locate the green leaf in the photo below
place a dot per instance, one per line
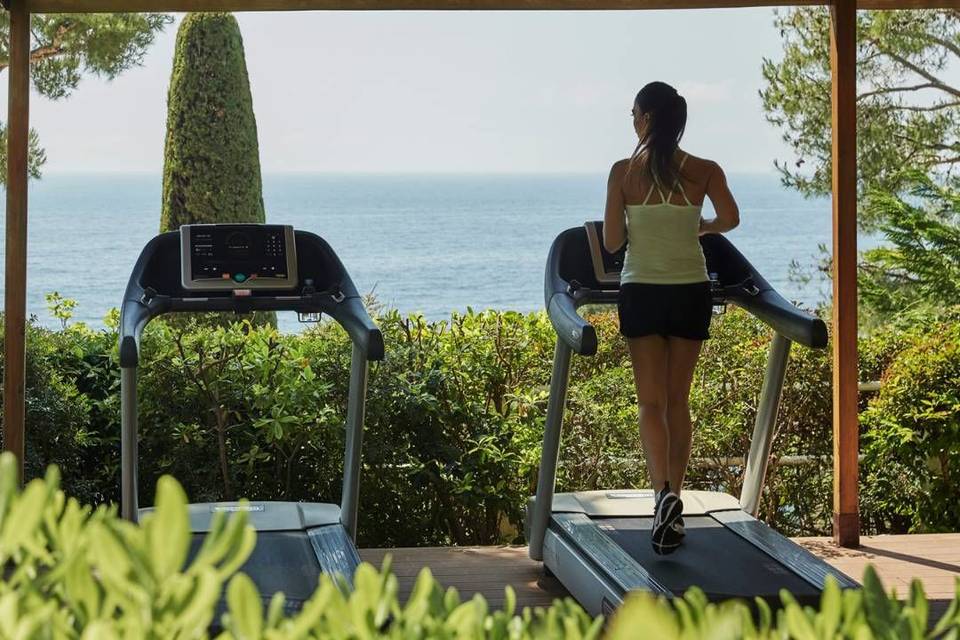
(641, 616)
(878, 609)
(245, 608)
(168, 529)
(831, 609)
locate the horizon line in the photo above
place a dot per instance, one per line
(321, 172)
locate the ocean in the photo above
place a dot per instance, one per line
(421, 243)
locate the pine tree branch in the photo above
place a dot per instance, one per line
(923, 73)
(936, 146)
(946, 44)
(889, 90)
(52, 50)
(940, 106)
(952, 160)
(936, 107)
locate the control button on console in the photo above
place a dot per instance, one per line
(239, 277)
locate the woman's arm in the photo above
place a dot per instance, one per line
(728, 214)
(614, 218)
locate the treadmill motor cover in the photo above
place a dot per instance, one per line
(281, 561)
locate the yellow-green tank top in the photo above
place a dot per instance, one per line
(663, 245)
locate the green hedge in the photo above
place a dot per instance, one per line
(73, 572)
(455, 418)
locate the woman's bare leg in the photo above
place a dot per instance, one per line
(682, 357)
(649, 357)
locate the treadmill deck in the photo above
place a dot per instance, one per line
(598, 545)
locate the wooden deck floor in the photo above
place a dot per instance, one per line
(933, 558)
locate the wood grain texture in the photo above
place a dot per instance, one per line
(472, 570)
(15, 283)
(843, 60)
(101, 6)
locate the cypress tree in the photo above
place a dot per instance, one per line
(211, 167)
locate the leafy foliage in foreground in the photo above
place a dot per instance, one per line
(852, 614)
(77, 572)
(81, 573)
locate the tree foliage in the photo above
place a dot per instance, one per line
(64, 47)
(920, 265)
(36, 156)
(908, 101)
(212, 160)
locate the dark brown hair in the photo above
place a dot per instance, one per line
(668, 119)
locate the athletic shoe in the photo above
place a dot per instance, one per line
(669, 509)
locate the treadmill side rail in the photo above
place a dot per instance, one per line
(335, 551)
(765, 427)
(788, 553)
(356, 412)
(550, 453)
(597, 548)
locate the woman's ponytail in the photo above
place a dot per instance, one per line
(667, 110)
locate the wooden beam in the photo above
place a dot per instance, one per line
(843, 62)
(110, 6)
(64, 6)
(15, 283)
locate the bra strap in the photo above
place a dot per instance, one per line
(679, 183)
(649, 193)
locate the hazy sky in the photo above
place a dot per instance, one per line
(430, 91)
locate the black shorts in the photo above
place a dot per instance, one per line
(678, 310)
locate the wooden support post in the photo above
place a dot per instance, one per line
(15, 303)
(843, 60)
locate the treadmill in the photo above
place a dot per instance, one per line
(597, 543)
(246, 268)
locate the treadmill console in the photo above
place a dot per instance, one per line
(606, 266)
(218, 257)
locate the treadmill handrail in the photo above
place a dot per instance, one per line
(571, 327)
(141, 304)
(352, 315)
(563, 297)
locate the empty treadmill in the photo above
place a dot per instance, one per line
(597, 543)
(245, 268)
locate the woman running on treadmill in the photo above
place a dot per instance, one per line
(654, 202)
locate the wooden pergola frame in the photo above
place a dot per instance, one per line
(846, 527)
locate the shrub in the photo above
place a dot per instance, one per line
(455, 419)
(74, 572)
(71, 394)
(211, 169)
(911, 444)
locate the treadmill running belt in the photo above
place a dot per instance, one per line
(712, 557)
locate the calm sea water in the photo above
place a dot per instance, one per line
(427, 243)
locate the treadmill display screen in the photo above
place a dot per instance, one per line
(238, 256)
